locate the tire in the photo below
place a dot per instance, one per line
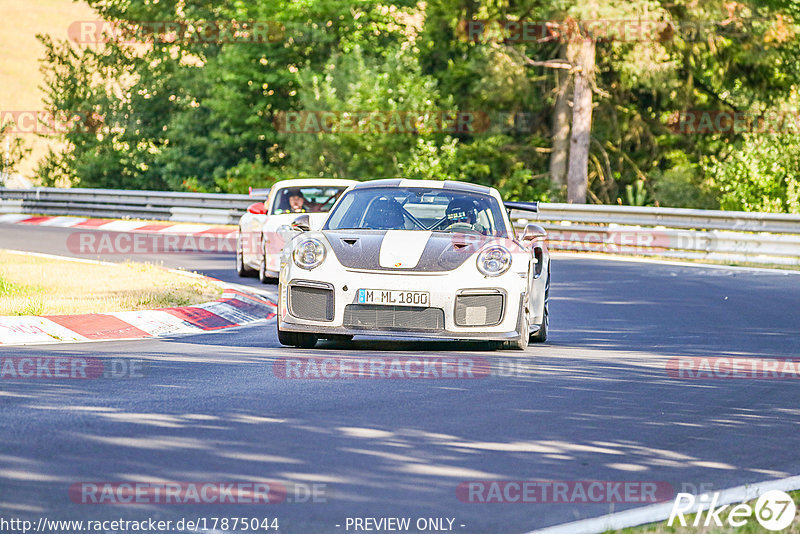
(296, 339)
(305, 341)
(541, 335)
(521, 343)
(262, 271)
(241, 269)
(263, 276)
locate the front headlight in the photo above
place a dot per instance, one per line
(494, 261)
(309, 253)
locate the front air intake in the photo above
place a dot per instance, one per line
(314, 303)
(479, 309)
(408, 318)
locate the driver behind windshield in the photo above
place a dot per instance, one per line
(296, 201)
(462, 214)
(394, 208)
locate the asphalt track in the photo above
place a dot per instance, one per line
(594, 403)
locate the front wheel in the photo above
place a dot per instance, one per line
(541, 335)
(296, 339)
(521, 343)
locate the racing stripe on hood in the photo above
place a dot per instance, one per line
(363, 249)
(401, 249)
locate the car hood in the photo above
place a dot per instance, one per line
(404, 250)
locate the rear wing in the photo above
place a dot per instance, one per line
(260, 193)
(532, 207)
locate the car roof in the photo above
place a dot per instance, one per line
(450, 185)
(313, 182)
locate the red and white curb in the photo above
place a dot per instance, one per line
(235, 308)
(112, 225)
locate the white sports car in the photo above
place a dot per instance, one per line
(415, 258)
(261, 239)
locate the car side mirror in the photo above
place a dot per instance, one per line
(533, 232)
(286, 233)
(257, 208)
(302, 223)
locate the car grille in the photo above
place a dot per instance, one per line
(479, 310)
(393, 317)
(312, 303)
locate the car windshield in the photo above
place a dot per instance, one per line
(306, 199)
(418, 208)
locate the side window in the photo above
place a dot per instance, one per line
(280, 204)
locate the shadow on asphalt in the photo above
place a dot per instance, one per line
(386, 446)
(596, 403)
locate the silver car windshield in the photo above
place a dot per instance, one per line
(417, 208)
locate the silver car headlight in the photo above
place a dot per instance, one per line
(494, 261)
(309, 253)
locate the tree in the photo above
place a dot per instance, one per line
(383, 143)
(561, 121)
(762, 176)
(577, 175)
(12, 151)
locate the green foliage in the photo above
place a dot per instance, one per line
(246, 174)
(762, 175)
(186, 115)
(636, 194)
(201, 116)
(12, 150)
(390, 86)
(683, 185)
(493, 160)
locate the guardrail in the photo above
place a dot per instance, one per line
(725, 236)
(112, 203)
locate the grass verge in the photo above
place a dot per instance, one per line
(33, 285)
(751, 527)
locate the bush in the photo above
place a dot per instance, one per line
(683, 185)
(763, 175)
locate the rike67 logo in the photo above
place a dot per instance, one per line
(774, 511)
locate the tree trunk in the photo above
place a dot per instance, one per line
(560, 148)
(577, 177)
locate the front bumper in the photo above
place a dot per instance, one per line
(443, 289)
(322, 331)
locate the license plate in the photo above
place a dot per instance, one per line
(392, 297)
